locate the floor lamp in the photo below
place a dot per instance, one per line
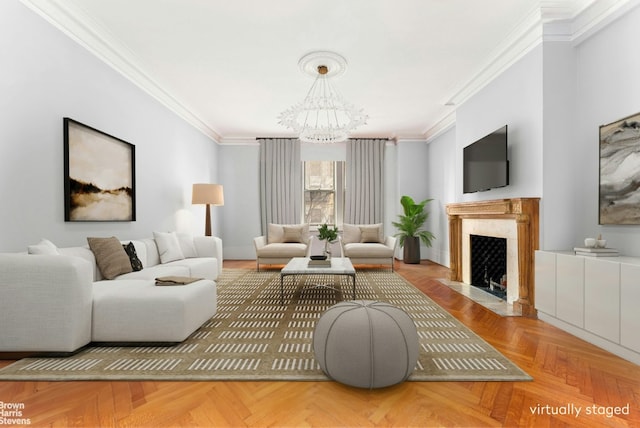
(207, 194)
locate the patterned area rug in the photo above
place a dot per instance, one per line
(254, 337)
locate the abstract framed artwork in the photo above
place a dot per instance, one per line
(620, 171)
(99, 175)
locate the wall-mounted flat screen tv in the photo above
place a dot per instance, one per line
(485, 163)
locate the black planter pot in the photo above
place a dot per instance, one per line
(411, 253)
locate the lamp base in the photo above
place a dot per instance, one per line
(207, 221)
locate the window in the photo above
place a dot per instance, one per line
(323, 192)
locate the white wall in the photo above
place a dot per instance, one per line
(608, 89)
(513, 99)
(441, 186)
(240, 172)
(44, 77)
(559, 205)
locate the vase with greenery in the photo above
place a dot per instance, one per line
(329, 235)
(410, 227)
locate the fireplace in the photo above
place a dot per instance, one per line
(489, 264)
(516, 221)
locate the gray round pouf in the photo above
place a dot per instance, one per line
(366, 344)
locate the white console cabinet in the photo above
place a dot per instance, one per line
(594, 298)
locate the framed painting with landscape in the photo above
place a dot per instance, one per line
(99, 175)
(620, 171)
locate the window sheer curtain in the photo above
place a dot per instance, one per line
(364, 195)
(280, 181)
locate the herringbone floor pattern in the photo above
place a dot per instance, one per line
(575, 384)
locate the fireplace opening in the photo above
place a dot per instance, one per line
(489, 264)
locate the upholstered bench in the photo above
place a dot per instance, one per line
(137, 310)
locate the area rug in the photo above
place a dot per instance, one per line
(253, 336)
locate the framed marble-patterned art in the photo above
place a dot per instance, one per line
(620, 171)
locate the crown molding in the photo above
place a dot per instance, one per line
(518, 43)
(89, 34)
(443, 125)
(598, 15)
(552, 20)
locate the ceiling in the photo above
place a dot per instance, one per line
(230, 67)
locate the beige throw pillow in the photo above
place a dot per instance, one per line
(111, 258)
(371, 233)
(276, 233)
(292, 234)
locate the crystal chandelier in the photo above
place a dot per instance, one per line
(324, 116)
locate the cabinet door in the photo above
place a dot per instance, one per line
(545, 277)
(630, 306)
(602, 298)
(570, 289)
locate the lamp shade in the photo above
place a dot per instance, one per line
(209, 194)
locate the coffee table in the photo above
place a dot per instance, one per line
(300, 266)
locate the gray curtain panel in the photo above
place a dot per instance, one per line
(280, 181)
(364, 195)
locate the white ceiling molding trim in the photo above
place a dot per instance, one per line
(598, 15)
(241, 141)
(554, 20)
(518, 43)
(118, 56)
(442, 126)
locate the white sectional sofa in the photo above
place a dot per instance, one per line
(58, 301)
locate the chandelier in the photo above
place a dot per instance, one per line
(324, 116)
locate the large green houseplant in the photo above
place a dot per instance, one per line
(410, 229)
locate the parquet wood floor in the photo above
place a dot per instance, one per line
(569, 374)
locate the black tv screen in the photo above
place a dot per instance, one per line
(485, 163)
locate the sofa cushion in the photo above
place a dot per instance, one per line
(276, 232)
(361, 250)
(139, 311)
(201, 267)
(111, 258)
(155, 271)
(282, 250)
(168, 246)
(187, 245)
(43, 247)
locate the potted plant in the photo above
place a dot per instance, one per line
(410, 232)
(329, 235)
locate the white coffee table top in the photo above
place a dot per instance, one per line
(300, 266)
